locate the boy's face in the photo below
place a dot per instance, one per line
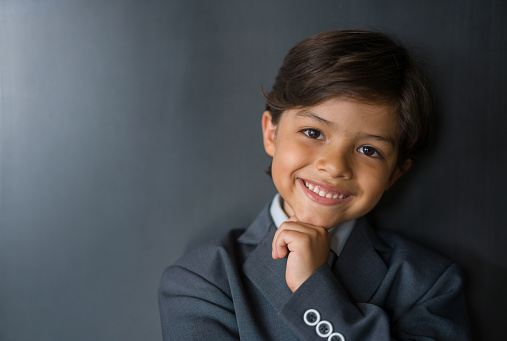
(333, 161)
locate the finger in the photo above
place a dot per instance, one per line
(279, 247)
(282, 241)
(291, 231)
(287, 240)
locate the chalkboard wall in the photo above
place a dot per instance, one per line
(130, 131)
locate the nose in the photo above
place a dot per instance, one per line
(337, 162)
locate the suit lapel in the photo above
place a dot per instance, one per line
(360, 267)
(267, 274)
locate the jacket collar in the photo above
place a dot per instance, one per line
(360, 267)
(257, 230)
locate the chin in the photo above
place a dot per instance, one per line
(319, 220)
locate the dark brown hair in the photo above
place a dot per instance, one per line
(363, 65)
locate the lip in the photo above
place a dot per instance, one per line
(339, 194)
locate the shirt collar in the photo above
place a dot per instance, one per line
(339, 233)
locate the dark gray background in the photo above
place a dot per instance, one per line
(130, 130)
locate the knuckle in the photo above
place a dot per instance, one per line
(307, 238)
(314, 234)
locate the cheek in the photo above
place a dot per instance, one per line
(374, 183)
(288, 158)
(291, 156)
(281, 167)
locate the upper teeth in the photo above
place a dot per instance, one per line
(322, 193)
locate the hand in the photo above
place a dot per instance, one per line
(309, 249)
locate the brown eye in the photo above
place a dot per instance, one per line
(370, 151)
(313, 134)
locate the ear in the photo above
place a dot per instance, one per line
(398, 172)
(268, 133)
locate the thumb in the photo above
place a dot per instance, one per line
(293, 218)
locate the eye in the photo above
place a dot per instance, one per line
(313, 134)
(370, 151)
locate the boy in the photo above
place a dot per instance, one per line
(346, 113)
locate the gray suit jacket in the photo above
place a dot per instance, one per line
(382, 287)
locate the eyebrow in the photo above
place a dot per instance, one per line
(308, 114)
(379, 138)
(305, 113)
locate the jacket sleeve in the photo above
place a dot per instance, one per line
(321, 306)
(178, 304)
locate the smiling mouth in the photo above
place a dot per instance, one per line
(323, 192)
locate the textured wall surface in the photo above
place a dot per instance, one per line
(130, 131)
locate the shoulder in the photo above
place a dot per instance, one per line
(209, 267)
(409, 252)
(417, 271)
(208, 256)
(398, 251)
(422, 286)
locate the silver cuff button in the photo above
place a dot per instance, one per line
(324, 328)
(312, 317)
(336, 337)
